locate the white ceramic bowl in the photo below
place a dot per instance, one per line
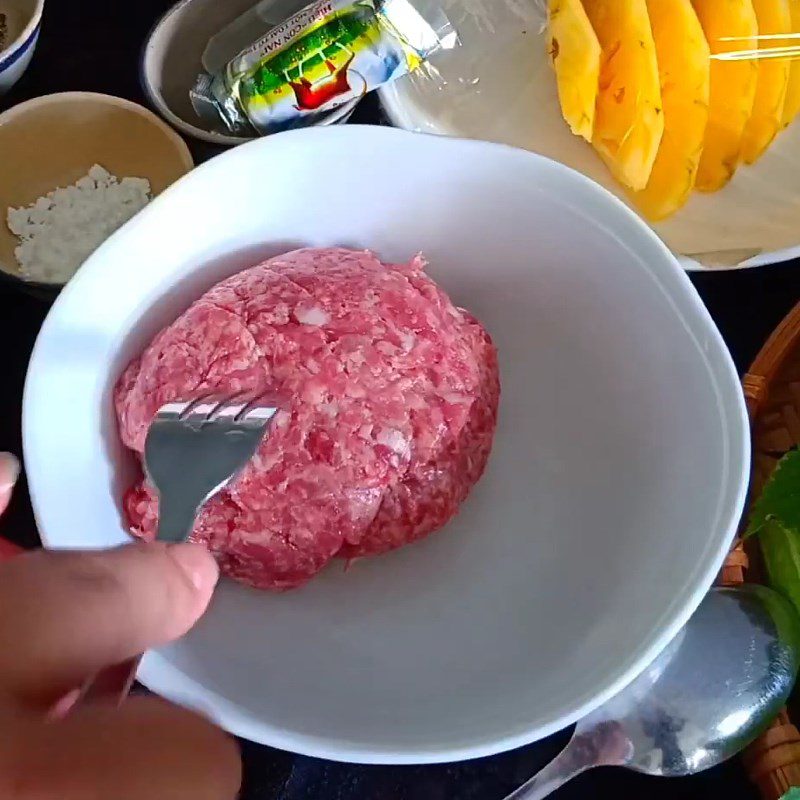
(24, 18)
(615, 486)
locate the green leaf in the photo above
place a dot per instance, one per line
(780, 499)
(781, 550)
(792, 794)
(782, 612)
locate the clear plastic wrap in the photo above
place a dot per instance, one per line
(682, 108)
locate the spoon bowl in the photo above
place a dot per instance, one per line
(714, 690)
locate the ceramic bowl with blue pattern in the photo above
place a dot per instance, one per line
(20, 21)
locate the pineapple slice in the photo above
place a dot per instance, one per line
(773, 18)
(729, 25)
(791, 105)
(684, 70)
(575, 51)
(628, 120)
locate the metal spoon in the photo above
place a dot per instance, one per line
(714, 690)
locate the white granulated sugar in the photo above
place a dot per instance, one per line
(62, 229)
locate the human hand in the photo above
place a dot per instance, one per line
(9, 472)
(64, 617)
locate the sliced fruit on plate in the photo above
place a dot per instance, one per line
(774, 18)
(575, 53)
(791, 105)
(629, 121)
(729, 26)
(684, 72)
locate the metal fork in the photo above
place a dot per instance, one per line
(193, 449)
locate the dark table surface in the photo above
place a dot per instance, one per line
(93, 45)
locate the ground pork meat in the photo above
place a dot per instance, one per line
(388, 397)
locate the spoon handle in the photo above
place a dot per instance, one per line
(562, 769)
(601, 745)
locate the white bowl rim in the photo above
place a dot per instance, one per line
(157, 99)
(27, 33)
(161, 676)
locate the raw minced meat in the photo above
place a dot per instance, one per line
(388, 397)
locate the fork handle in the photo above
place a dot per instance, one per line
(176, 515)
(110, 684)
(175, 522)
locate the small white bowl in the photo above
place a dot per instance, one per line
(172, 59)
(613, 492)
(23, 18)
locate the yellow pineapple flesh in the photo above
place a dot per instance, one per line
(773, 18)
(575, 53)
(729, 26)
(629, 122)
(684, 71)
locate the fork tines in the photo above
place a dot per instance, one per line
(242, 409)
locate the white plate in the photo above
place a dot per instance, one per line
(499, 86)
(613, 492)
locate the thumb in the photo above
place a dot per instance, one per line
(9, 472)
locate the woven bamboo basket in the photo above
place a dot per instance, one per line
(772, 392)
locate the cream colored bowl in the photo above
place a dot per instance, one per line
(54, 140)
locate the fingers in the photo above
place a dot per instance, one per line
(146, 750)
(9, 472)
(67, 615)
